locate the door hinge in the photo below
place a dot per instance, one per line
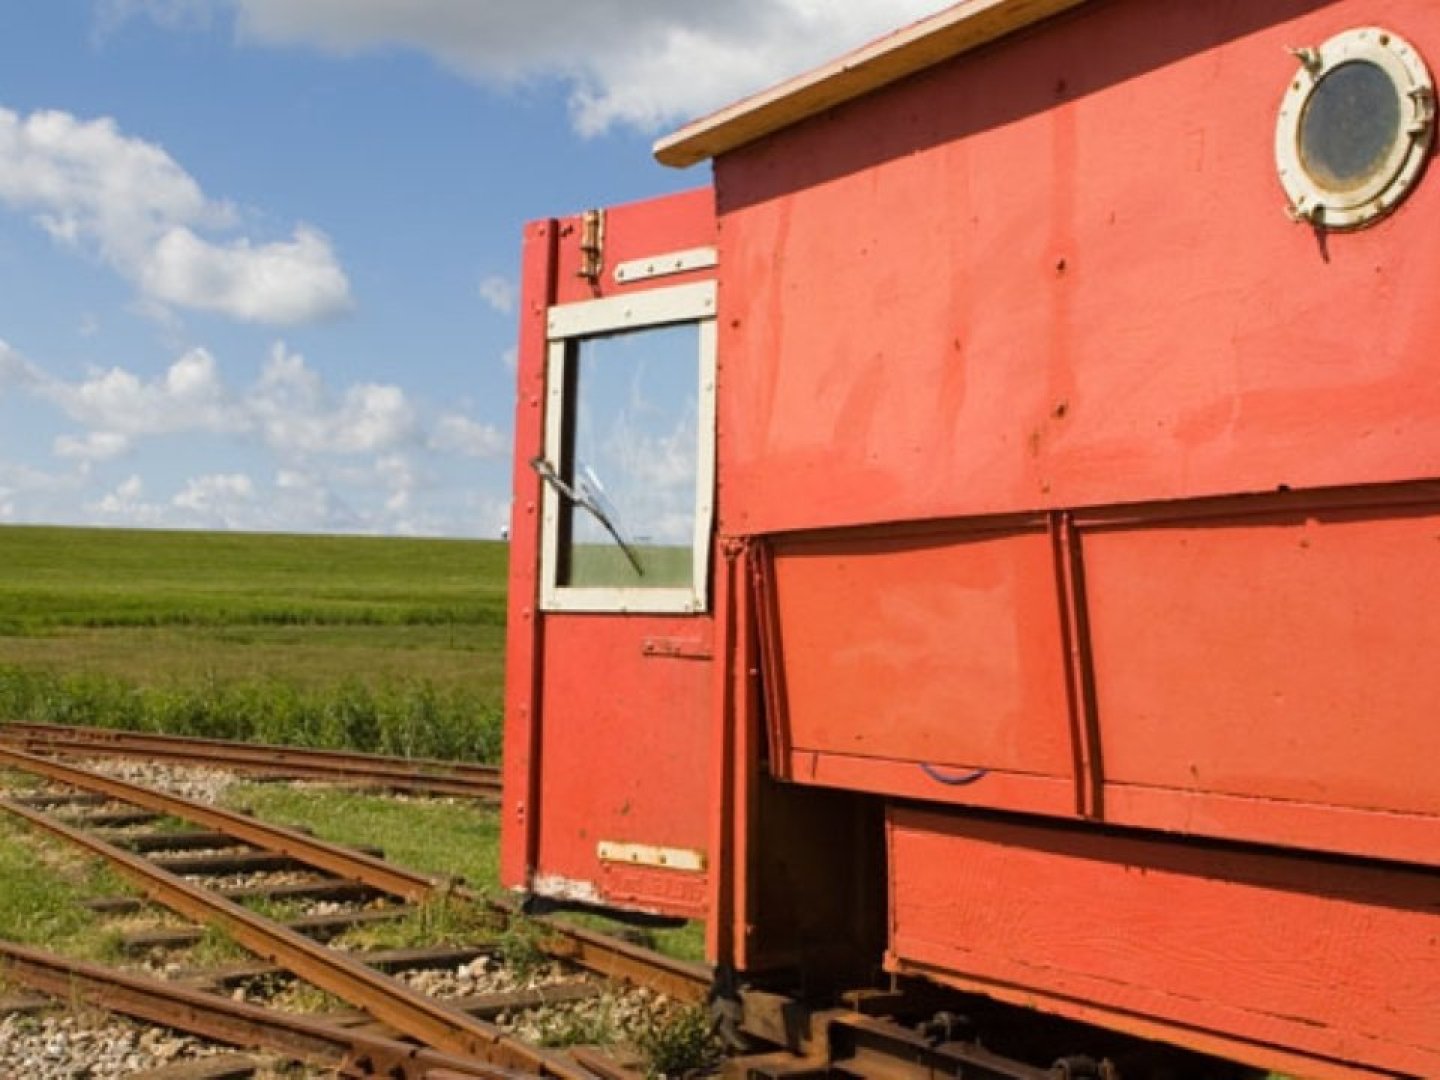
(592, 245)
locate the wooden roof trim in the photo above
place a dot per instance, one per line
(968, 25)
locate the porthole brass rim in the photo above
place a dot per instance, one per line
(1312, 201)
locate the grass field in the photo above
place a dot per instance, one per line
(384, 644)
(387, 644)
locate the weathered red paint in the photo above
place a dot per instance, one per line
(1055, 276)
(523, 632)
(1081, 514)
(1236, 952)
(608, 717)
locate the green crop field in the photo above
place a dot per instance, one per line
(387, 644)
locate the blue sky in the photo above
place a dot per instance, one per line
(258, 258)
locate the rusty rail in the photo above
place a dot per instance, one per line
(429, 775)
(413, 1014)
(616, 959)
(408, 1012)
(597, 952)
(333, 859)
(209, 1016)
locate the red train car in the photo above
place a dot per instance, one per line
(994, 531)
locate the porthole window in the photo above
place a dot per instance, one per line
(1354, 129)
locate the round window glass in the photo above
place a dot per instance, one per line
(1350, 126)
(1354, 129)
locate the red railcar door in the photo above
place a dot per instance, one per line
(610, 633)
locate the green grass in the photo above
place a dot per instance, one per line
(606, 565)
(413, 718)
(453, 838)
(42, 885)
(54, 578)
(445, 920)
(683, 942)
(679, 1043)
(384, 644)
(458, 840)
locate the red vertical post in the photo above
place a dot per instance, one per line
(719, 940)
(525, 627)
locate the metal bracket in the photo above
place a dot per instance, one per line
(592, 245)
(673, 262)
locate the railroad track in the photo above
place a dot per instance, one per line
(426, 775)
(391, 1028)
(132, 828)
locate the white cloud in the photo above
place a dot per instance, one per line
(286, 451)
(635, 62)
(125, 504)
(15, 370)
(398, 475)
(23, 487)
(92, 446)
(130, 489)
(217, 493)
(297, 413)
(190, 396)
(284, 282)
(290, 408)
(499, 292)
(130, 204)
(456, 434)
(510, 358)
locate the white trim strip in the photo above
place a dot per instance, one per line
(674, 262)
(667, 858)
(655, 307)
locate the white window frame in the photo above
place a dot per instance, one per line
(567, 325)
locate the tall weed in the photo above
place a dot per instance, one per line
(412, 718)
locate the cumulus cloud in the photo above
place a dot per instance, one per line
(286, 282)
(92, 446)
(190, 396)
(125, 503)
(637, 62)
(129, 203)
(298, 413)
(217, 492)
(23, 488)
(311, 456)
(456, 434)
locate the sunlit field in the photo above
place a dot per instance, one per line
(386, 644)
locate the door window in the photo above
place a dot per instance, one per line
(629, 461)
